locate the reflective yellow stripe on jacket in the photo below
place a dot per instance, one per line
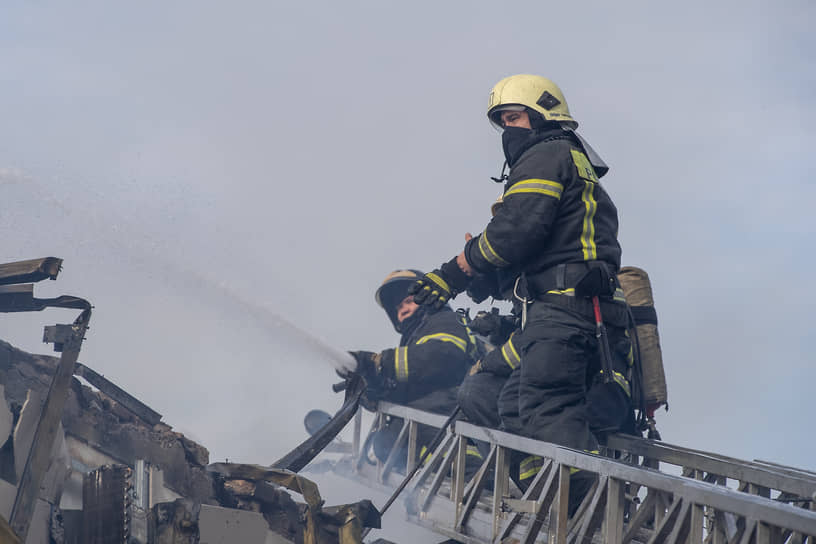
(510, 354)
(588, 231)
(536, 186)
(587, 174)
(445, 337)
(489, 253)
(401, 363)
(401, 354)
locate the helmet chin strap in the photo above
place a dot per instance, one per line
(503, 176)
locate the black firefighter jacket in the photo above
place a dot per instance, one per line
(554, 212)
(434, 356)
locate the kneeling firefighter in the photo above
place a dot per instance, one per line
(556, 234)
(435, 351)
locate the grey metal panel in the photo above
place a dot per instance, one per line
(274, 538)
(218, 525)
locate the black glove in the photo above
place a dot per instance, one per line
(496, 327)
(482, 287)
(437, 287)
(368, 363)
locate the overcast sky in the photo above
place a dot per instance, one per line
(204, 166)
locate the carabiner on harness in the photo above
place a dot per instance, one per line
(524, 301)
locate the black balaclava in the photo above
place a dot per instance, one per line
(409, 325)
(517, 140)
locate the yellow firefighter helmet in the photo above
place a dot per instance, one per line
(394, 289)
(537, 93)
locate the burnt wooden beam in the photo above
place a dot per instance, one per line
(33, 270)
(17, 298)
(20, 298)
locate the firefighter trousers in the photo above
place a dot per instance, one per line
(560, 359)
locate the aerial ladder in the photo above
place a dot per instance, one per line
(646, 491)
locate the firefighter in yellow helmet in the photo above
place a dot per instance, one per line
(553, 244)
(435, 351)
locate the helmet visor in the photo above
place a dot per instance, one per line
(494, 115)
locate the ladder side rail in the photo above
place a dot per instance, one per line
(735, 469)
(786, 468)
(405, 412)
(667, 449)
(626, 442)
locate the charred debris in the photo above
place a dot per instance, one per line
(94, 465)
